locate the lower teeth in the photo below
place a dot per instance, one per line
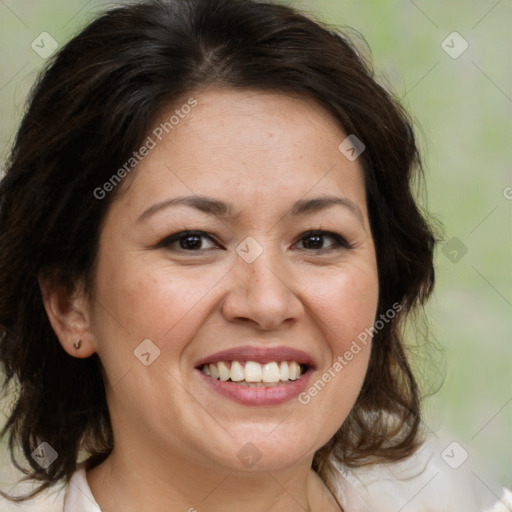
(259, 384)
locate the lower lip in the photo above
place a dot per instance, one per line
(273, 395)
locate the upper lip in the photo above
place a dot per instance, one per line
(259, 355)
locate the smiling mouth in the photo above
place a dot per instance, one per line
(253, 374)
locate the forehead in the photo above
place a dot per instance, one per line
(250, 147)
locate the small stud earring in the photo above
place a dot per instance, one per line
(77, 344)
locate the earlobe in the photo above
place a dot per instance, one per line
(68, 314)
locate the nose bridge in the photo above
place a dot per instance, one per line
(264, 273)
(261, 290)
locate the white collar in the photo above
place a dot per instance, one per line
(78, 496)
(366, 490)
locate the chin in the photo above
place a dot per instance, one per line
(267, 449)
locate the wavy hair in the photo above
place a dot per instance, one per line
(91, 108)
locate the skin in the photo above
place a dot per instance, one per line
(176, 440)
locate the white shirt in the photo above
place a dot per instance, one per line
(422, 483)
(78, 497)
(380, 493)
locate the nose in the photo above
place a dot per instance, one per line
(262, 293)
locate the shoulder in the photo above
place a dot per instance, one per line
(421, 483)
(76, 496)
(51, 500)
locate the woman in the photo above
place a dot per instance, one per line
(209, 246)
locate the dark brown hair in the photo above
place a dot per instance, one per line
(92, 107)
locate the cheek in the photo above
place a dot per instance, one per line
(345, 309)
(345, 305)
(139, 298)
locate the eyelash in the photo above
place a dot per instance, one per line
(339, 241)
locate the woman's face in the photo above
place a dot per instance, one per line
(251, 174)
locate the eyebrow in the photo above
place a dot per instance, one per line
(218, 208)
(316, 204)
(202, 203)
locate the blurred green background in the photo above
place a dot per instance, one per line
(462, 107)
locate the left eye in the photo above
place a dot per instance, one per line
(314, 241)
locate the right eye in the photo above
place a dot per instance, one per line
(188, 241)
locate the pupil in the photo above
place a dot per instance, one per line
(190, 242)
(314, 242)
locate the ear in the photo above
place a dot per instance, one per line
(68, 312)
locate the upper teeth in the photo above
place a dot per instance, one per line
(253, 372)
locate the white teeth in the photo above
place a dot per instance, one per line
(284, 371)
(271, 372)
(294, 371)
(223, 370)
(237, 372)
(252, 372)
(214, 371)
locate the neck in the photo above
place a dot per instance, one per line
(126, 481)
